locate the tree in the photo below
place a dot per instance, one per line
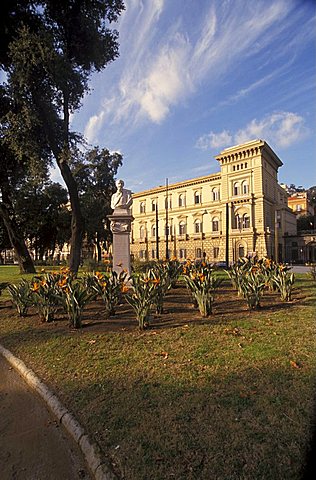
(52, 48)
(95, 173)
(42, 211)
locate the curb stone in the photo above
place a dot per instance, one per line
(89, 449)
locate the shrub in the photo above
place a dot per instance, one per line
(21, 296)
(202, 283)
(142, 296)
(109, 288)
(74, 296)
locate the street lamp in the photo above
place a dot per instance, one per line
(202, 233)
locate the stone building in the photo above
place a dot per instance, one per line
(241, 210)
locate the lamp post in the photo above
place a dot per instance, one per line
(202, 233)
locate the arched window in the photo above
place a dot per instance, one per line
(237, 222)
(197, 197)
(142, 232)
(215, 194)
(153, 230)
(182, 228)
(236, 188)
(215, 224)
(181, 200)
(168, 203)
(245, 187)
(197, 226)
(142, 207)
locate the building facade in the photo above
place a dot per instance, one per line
(241, 210)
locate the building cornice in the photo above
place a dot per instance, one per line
(247, 151)
(174, 186)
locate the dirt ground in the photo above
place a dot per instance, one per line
(178, 311)
(32, 444)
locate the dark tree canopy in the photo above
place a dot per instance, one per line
(49, 50)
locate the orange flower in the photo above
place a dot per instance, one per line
(156, 281)
(202, 277)
(43, 283)
(36, 287)
(62, 282)
(99, 275)
(124, 288)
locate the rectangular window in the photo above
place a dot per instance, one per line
(215, 252)
(182, 253)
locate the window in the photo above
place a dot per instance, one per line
(197, 226)
(236, 188)
(215, 224)
(246, 221)
(197, 198)
(153, 231)
(142, 254)
(181, 200)
(215, 252)
(167, 230)
(153, 206)
(237, 222)
(169, 204)
(182, 228)
(198, 253)
(215, 194)
(142, 232)
(142, 207)
(245, 187)
(241, 251)
(153, 254)
(182, 253)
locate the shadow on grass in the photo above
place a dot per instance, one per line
(248, 425)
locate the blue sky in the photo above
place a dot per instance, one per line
(197, 76)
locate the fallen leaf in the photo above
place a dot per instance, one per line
(295, 364)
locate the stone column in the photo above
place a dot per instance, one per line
(121, 221)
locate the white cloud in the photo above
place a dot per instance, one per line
(214, 140)
(93, 127)
(281, 129)
(158, 71)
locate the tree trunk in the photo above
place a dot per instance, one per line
(24, 258)
(76, 218)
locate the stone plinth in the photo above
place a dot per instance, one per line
(121, 221)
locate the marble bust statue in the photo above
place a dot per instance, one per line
(122, 198)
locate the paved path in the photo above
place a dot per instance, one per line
(32, 444)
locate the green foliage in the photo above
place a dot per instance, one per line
(21, 296)
(159, 274)
(108, 288)
(46, 290)
(3, 286)
(284, 281)
(202, 283)
(252, 284)
(74, 297)
(142, 297)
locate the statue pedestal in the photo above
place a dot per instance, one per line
(121, 221)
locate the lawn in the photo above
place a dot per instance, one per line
(228, 397)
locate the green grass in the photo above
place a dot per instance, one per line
(228, 398)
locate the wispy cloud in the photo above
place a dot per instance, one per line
(158, 72)
(281, 129)
(93, 127)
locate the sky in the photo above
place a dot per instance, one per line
(197, 76)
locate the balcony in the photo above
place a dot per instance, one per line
(182, 237)
(198, 236)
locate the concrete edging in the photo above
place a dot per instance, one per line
(89, 449)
